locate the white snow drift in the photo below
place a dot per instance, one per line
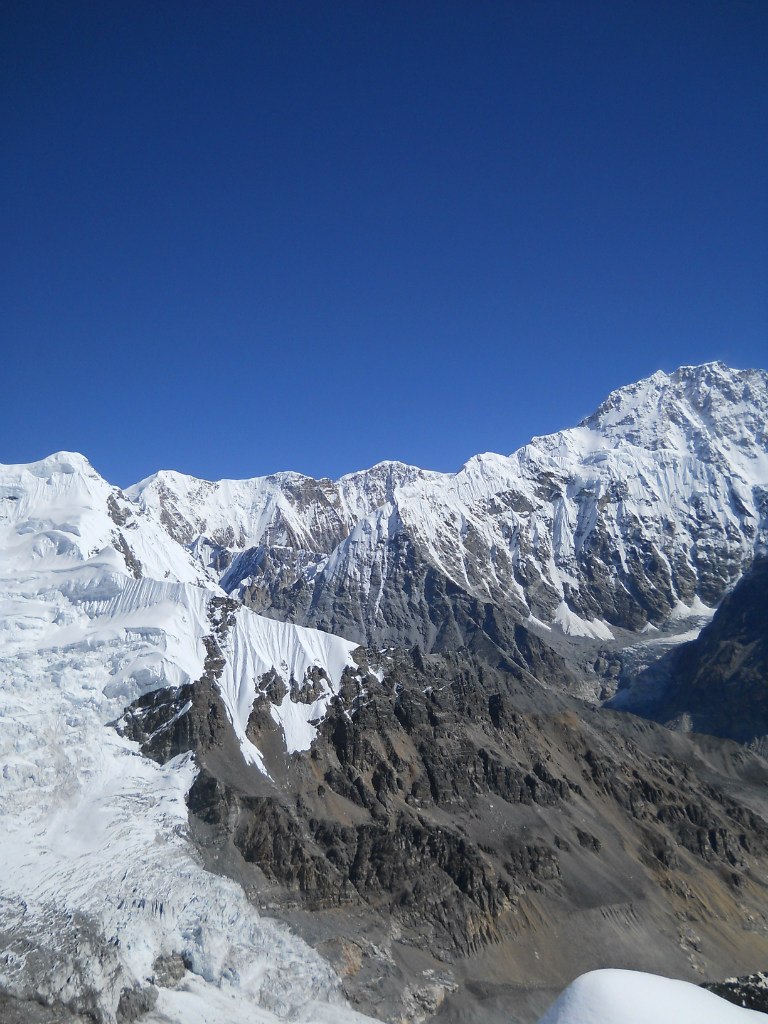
(631, 997)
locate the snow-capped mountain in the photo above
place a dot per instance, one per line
(100, 885)
(60, 513)
(164, 748)
(654, 503)
(284, 510)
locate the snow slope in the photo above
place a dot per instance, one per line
(258, 645)
(631, 997)
(99, 877)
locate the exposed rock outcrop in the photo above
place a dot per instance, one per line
(453, 816)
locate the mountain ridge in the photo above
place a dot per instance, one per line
(653, 504)
(608, 525)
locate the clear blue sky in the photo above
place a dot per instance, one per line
(243, 237)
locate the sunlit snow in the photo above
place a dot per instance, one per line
(631, 997)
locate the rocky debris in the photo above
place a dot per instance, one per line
(426, 995)
(27, 1011)
(65, 946)
(135, 1002)
(169, 970)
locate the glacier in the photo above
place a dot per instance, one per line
(100, 880)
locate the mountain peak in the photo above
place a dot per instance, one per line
(63, 462)
(712, 405)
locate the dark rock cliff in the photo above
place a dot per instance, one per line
(453, 819)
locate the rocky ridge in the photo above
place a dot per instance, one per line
(435, 811)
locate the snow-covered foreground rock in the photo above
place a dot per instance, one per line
(631, 997)
(100, 884)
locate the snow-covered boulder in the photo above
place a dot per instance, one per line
(631, 997)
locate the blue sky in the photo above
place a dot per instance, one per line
(245, 237)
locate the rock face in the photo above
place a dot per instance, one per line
(718, 683)
(657, 499)
(453, 822)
